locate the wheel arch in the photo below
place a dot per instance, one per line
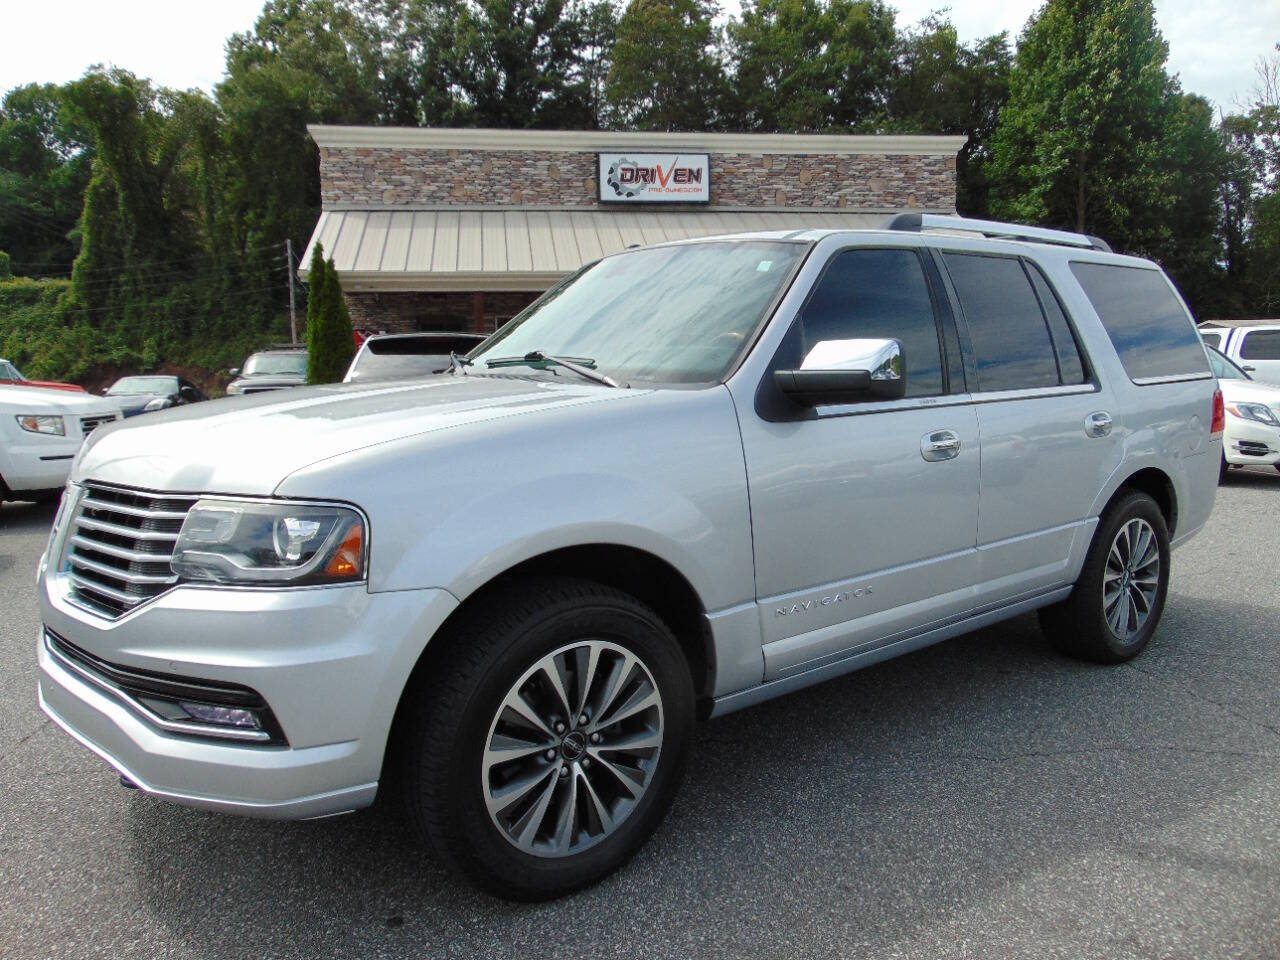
(644, 575)
(1156, 484)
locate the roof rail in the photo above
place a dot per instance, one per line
(918, 222)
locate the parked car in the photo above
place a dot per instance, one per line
(1254, 347)
(691, 478)
(1252, 434)
(276, 369)
(398, 356)
(41, 431)
(11, 377)
(149, 393)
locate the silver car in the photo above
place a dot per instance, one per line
(690, 478)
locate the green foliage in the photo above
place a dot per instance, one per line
(330, 341)
(44, 166)
(6, 266)
(667, 72)
(944, 86)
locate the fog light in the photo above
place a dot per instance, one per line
(223, 716)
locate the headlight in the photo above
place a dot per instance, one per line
(1254, 411)
(35, 423)
(159, 403)
(232, 541)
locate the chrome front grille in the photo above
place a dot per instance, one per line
(92, 423)
(119, 546)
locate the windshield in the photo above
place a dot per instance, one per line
(679, 314)
(275, 363)
(132, 386)
(1224, 369)
(8, 371)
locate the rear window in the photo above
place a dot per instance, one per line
(418, 346)
(1261, 345)
(1148, 326)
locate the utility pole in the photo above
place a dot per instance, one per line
(293, 322)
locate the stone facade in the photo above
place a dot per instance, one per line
(400, 312)
(375, 177)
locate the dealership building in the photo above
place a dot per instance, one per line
(459, 229)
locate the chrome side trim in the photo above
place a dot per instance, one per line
(150, 716)
(890, 648)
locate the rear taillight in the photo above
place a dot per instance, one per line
(1219, 421)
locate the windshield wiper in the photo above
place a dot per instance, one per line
(457, 363)
(579, 365)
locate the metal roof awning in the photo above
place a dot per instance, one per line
(478, 250)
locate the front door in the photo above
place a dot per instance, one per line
(864, 516)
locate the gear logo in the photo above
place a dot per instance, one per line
(614, 178)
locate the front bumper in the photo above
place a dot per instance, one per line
(40, 463)
(330, 662)
(1249, 442)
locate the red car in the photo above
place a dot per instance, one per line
(9, 376)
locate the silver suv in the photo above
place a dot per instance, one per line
(688, 479)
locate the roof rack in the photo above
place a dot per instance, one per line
(918, 222)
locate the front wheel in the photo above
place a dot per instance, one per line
(1117, 602)
(549, 740)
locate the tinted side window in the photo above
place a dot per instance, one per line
(878, 293)
(1213, 338)
(1070, 364)
(1148, 326)
(1261, 345)
(1010, 339)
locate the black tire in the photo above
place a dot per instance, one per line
(444, 727)
(1222, 471)
(1078, 626)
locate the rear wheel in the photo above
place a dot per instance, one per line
(1117, 602)
(549, 740)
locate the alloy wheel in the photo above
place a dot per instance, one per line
(572, 748)
(1131, 579)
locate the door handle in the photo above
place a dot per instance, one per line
(940, 445)
(1098, 424)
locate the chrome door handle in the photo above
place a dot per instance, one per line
(1098, 424)
(940, 445)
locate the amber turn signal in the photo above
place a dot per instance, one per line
(348, 560)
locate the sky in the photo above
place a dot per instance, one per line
(1213, 46)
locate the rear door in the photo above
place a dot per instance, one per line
(1048, 427)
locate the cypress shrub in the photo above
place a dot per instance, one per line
(330, 344)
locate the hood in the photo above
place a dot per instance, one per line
(249, 444)
(134, 402)
(1250, 391)
(30, 399)
(45, 384)
(268, 380)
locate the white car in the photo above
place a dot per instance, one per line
(1252, 434)
(41, 431)
(1254, 348)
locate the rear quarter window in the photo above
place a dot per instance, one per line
(1150, 329)
(1261, 345)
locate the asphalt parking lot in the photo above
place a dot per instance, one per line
(983, 798)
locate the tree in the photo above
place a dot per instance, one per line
(667, 71)
(944, 86)
(1079, 142)
(330, 341)
(45, 162)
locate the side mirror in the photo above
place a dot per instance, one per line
(234, 371)
(846, 371)
(105, 390)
